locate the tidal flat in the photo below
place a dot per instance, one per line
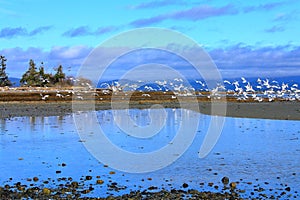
(46, 157)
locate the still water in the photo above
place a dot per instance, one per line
(263, 156)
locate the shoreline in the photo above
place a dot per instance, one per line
(35, 101)
(279, 110)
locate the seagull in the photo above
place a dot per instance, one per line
(258, 81)
(244, 80)
(60, 95)
(266, 83)
(271, 98)
(228, 82)
(284, 86)
(249, 88)
(235, 83)
(259, 99)
(44, 97)
(245, 95)
(79, 97)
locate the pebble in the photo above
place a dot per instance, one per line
(225, 180)
(232, 185)
(210, 184)
(65, 189)
(100, 182)
(74, 184)
(35, 179)
(46, 191)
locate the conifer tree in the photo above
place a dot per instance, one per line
(31, 76)
(4, 81)
(59, 76)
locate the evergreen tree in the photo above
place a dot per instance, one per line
(34, 77)
(45, 79)
(4, 81)
(59, 76)
(31, 77)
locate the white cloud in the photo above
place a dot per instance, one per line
(74, 52)
(236, 60)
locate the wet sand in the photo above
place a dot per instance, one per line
(265, 110)
(54, 102)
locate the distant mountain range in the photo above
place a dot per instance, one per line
(15, 81)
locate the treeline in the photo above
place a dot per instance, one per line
(37, 77)
(34, 77)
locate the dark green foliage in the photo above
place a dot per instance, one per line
(32, 77)
(59, 77)
(39, 78)
(4, 81)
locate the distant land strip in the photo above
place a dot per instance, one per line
(58, 101)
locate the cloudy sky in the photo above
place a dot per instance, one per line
(247, 38)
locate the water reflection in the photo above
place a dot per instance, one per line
(128, 147)
(249, 150)
(3, 125)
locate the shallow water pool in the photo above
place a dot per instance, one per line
(262, 156)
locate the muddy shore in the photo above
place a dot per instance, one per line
(54, 102)
(264, 110)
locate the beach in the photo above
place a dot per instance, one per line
(31, 104)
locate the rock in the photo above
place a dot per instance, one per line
(99, 181)
(46, 191)
(85, 191)
(225, 180)
(232, 185)
(210, 184)
(35, 179)
(185, 185)
(74, 184)
(152, 188)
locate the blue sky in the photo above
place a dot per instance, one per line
(248, 38)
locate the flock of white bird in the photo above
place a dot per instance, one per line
(262, 89)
